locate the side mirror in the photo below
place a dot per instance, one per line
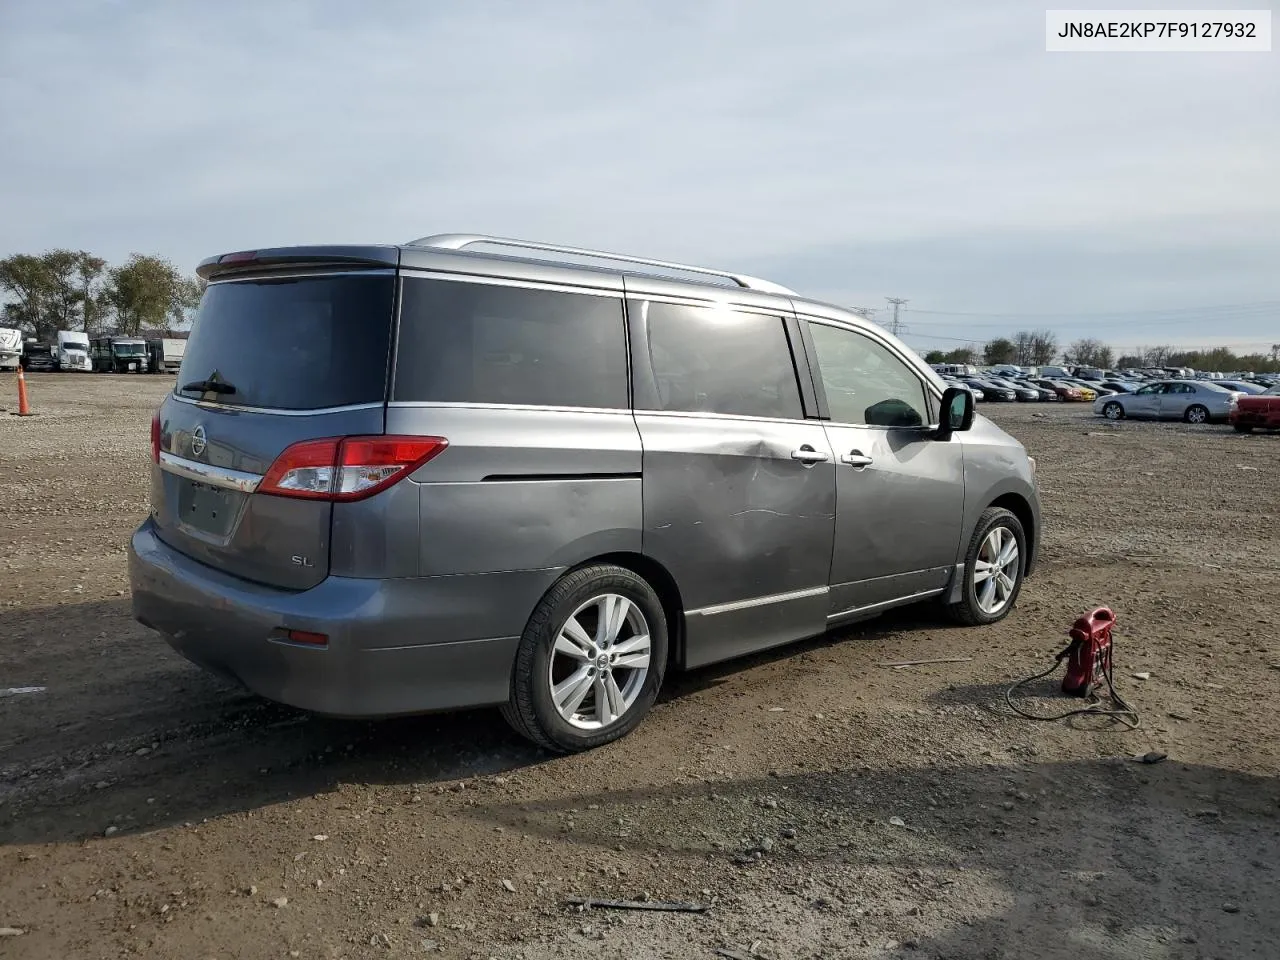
(957, 412)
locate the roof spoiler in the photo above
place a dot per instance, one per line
(312, 257)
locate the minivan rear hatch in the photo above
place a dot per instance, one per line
(277, 357)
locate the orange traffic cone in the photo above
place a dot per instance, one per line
(24, 408)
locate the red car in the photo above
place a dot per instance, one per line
(1261, 410)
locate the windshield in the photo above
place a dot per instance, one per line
(128, 349)
(76, 345)
(303, 343)
(1216, 388)
(1273, 392)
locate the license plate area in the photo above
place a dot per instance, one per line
(210, 510)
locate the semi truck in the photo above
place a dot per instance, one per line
(73, 351)
(118, 355)
(39, 357)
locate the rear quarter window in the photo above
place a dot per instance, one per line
(300, 343)
(464, 342)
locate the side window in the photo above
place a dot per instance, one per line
(865, 382)
(717, 360)
(479, 343)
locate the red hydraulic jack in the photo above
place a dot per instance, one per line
(1089, 656)
(1089, 669)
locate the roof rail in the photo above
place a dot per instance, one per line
(458, 241)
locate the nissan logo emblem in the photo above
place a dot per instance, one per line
(198, 440)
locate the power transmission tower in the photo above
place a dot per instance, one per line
(896, 327)
(866, 313)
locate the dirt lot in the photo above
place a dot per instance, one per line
(821, 804)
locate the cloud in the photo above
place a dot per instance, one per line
(928, 150)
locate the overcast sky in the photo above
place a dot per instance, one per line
(851, 150)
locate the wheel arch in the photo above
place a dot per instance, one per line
(1020, 507)
(664, 585)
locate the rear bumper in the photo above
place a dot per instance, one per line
(395, 646)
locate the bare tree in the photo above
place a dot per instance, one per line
(1044, 347)
(1024, 347)
(1089, 352)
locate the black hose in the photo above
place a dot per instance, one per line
(1122, 711)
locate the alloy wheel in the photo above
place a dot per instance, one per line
(599, 662)
(995, 570)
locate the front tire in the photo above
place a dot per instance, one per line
(1196, 414)
(1113, 411)
(993, 569)
(590, 662)
(1243, 427)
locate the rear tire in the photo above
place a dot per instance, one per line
(1242, 428)
(991, 592)
(570, 689)
(1196, 413)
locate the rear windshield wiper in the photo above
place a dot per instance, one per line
(209, 386)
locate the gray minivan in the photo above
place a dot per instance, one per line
(398, 479)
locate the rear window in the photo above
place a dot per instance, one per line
(481, 343)
(293, 344)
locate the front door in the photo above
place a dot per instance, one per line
(1145, 402)
(899, 493)
(739, 488)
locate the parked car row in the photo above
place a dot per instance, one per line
(990, 387)
(1195, 398)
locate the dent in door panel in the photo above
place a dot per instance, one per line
(728, 511)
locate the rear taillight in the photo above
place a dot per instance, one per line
(155, 437)
(303, 470)
(347, 468)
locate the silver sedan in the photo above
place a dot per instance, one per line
(1195, 401)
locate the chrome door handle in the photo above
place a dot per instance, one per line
(856, 458)
(806, 454)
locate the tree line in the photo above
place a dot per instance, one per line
(74, 290)
(1039, 347)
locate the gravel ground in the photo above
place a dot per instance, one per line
(820, 804)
